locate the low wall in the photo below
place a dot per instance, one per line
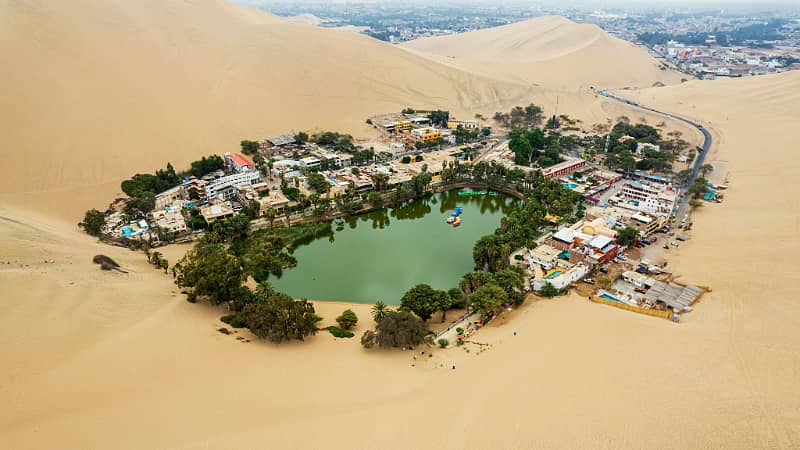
(648, 312)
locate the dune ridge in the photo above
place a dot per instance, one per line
(95, 359)
(552, 52)
(173, 80)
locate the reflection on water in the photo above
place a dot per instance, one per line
(381, 254)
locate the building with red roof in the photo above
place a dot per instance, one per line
(238, 162)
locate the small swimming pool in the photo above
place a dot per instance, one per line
(569, 185)
(608, 297)
(552, 274)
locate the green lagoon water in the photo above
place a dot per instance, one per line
(380, 255)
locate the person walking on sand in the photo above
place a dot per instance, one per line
(454, 366)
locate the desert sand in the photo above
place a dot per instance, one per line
(99, 90)
(102, 360)
(552, 52)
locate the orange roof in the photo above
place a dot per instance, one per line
(240, 160)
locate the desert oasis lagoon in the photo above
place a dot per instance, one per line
(377, 256)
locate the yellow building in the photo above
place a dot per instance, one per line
(426, 134)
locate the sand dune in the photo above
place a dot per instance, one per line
(552, 52)
(98, 90)
(105, 360)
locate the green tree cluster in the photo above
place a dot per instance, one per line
(521, 117)
(439, 118)
(93, 222)
(627, 236)
(278, 317)
(487, 298)
(396, 329)
(206, 165)
(250, 147)
(347, 319)
(532, 145)
(301, 137)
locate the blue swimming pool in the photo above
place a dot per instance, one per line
(569, 185)
(554, 274)
(608, 297)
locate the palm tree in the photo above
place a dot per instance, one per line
(379, 311)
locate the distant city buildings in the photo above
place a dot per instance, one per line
(702, 43)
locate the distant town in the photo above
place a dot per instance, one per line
(705, 43)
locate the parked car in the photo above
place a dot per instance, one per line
(588, 280)
(641, 269)
(672, 233)
(639, 290)
(653, 240)
(680, 238)
(604, 270)
(674, 244)
(622, 257)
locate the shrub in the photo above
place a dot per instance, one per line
(347, 320)
(548, 290)
(368, 339)
(340, 333)
(406, 160)
(459, 330)
(397, 329)
(233, 320)
(442, 343)
(224, 330)
(93, 222)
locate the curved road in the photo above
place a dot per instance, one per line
(707, 141)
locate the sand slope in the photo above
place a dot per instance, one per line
(104, 360)
(118, 361)
(97, 90)
(552, 52)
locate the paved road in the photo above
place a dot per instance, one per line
(684, 203)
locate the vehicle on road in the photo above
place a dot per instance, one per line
(674, 244)
(588, 281)
(639, 290)
(604, 270)
(680, 238)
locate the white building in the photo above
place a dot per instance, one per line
(564, 279)
(641, 147)
(170, 218)
(238, 163)
(545, 256)
(226, 186)
(650, 198)
(310, 162)
(469, 124)
(634, 278)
